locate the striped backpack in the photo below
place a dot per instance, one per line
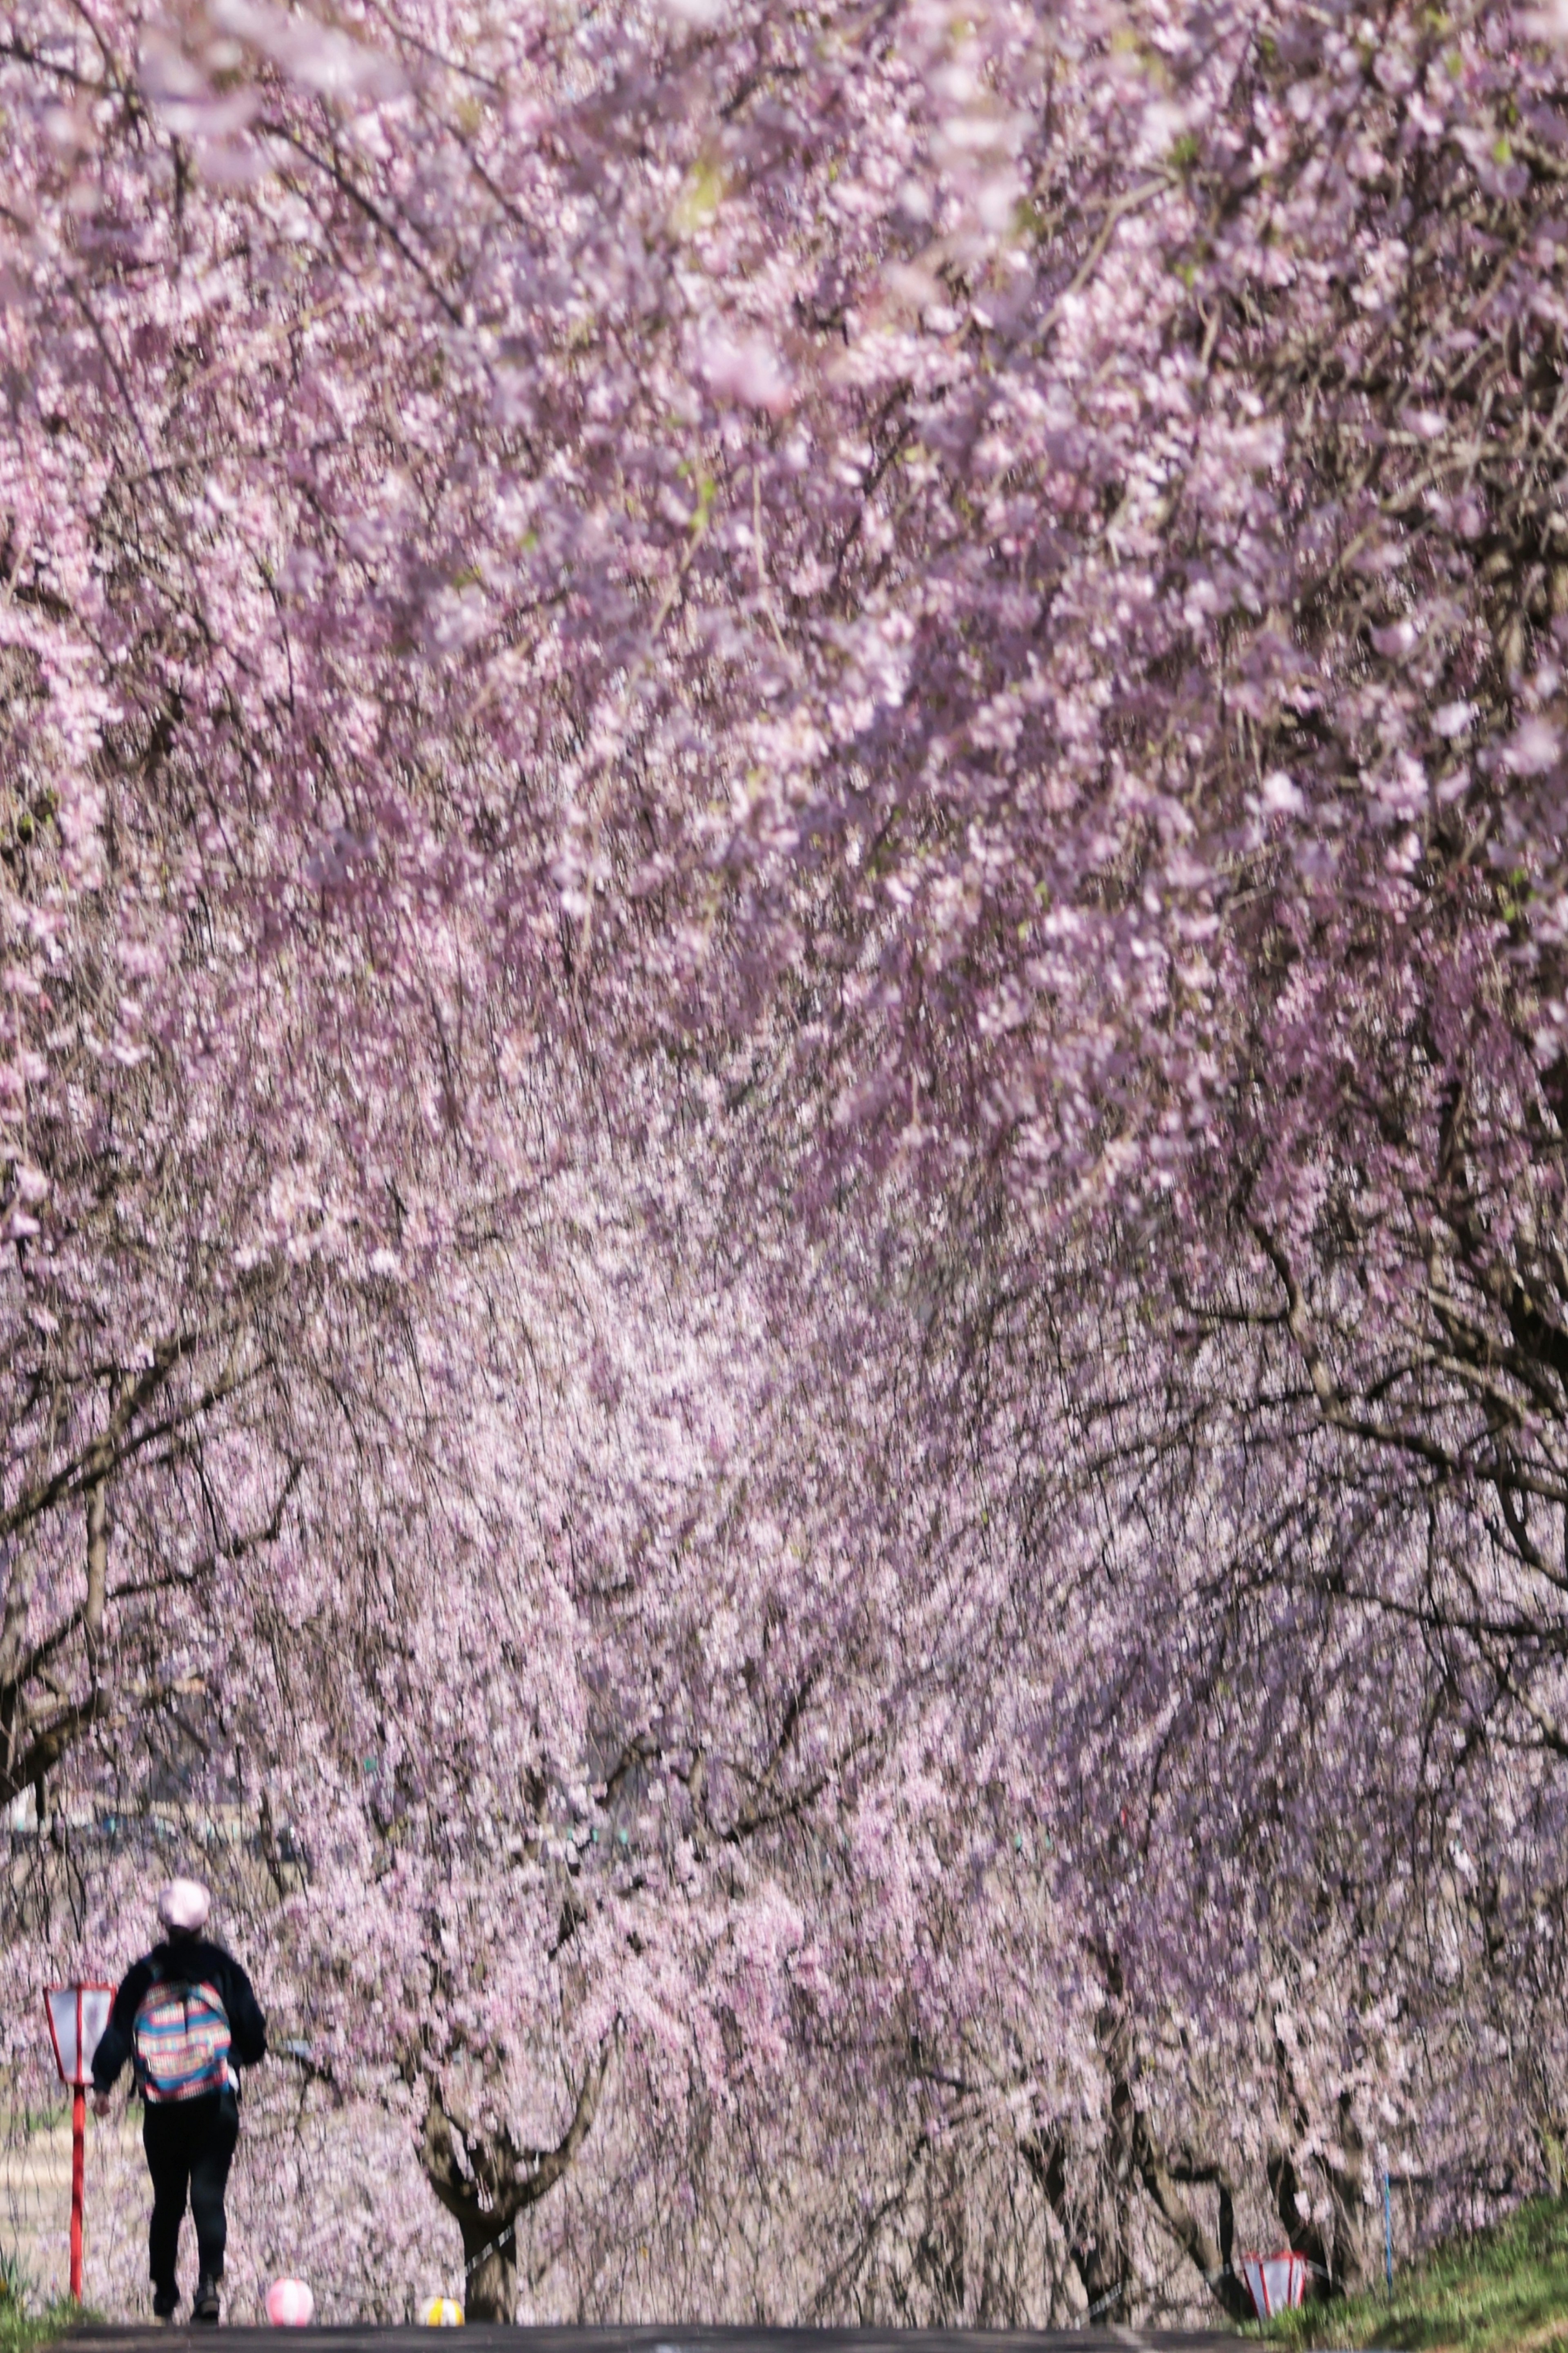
(181, 2041)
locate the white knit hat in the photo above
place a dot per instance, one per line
(185, 1903)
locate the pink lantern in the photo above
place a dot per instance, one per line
(78, 2015)
(290, 2304)
(1275, 2283)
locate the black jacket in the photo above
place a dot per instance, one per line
(191, 1960)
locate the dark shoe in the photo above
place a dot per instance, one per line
(165, 2303)
(205, 2306)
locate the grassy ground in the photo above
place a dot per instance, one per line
(1504, 2291)
(21, 2332)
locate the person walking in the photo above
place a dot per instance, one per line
(187, 2019)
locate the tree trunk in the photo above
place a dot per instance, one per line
(489, 2290)
(1045, 2154)
(1295, 2217)
(1352, 2271)
(1338, 2256)
(1132, 2154)
(97, 1571)
(488, 2181)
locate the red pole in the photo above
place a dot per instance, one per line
(78, 2137)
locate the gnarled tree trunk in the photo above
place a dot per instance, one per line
(1132, 2154)
(486, 2181)
(1338, 2257)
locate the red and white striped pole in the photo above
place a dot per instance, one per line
(78, 2015)
(79, 2173)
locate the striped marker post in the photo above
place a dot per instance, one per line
(78, 2015)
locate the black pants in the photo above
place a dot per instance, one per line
(189, 2145)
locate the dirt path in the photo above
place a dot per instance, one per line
(670, 2339)
(36, 2192)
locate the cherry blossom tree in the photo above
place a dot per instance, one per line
(783, 900)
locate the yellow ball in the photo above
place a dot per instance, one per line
(442, 2312)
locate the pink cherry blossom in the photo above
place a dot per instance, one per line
(782, 1090)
